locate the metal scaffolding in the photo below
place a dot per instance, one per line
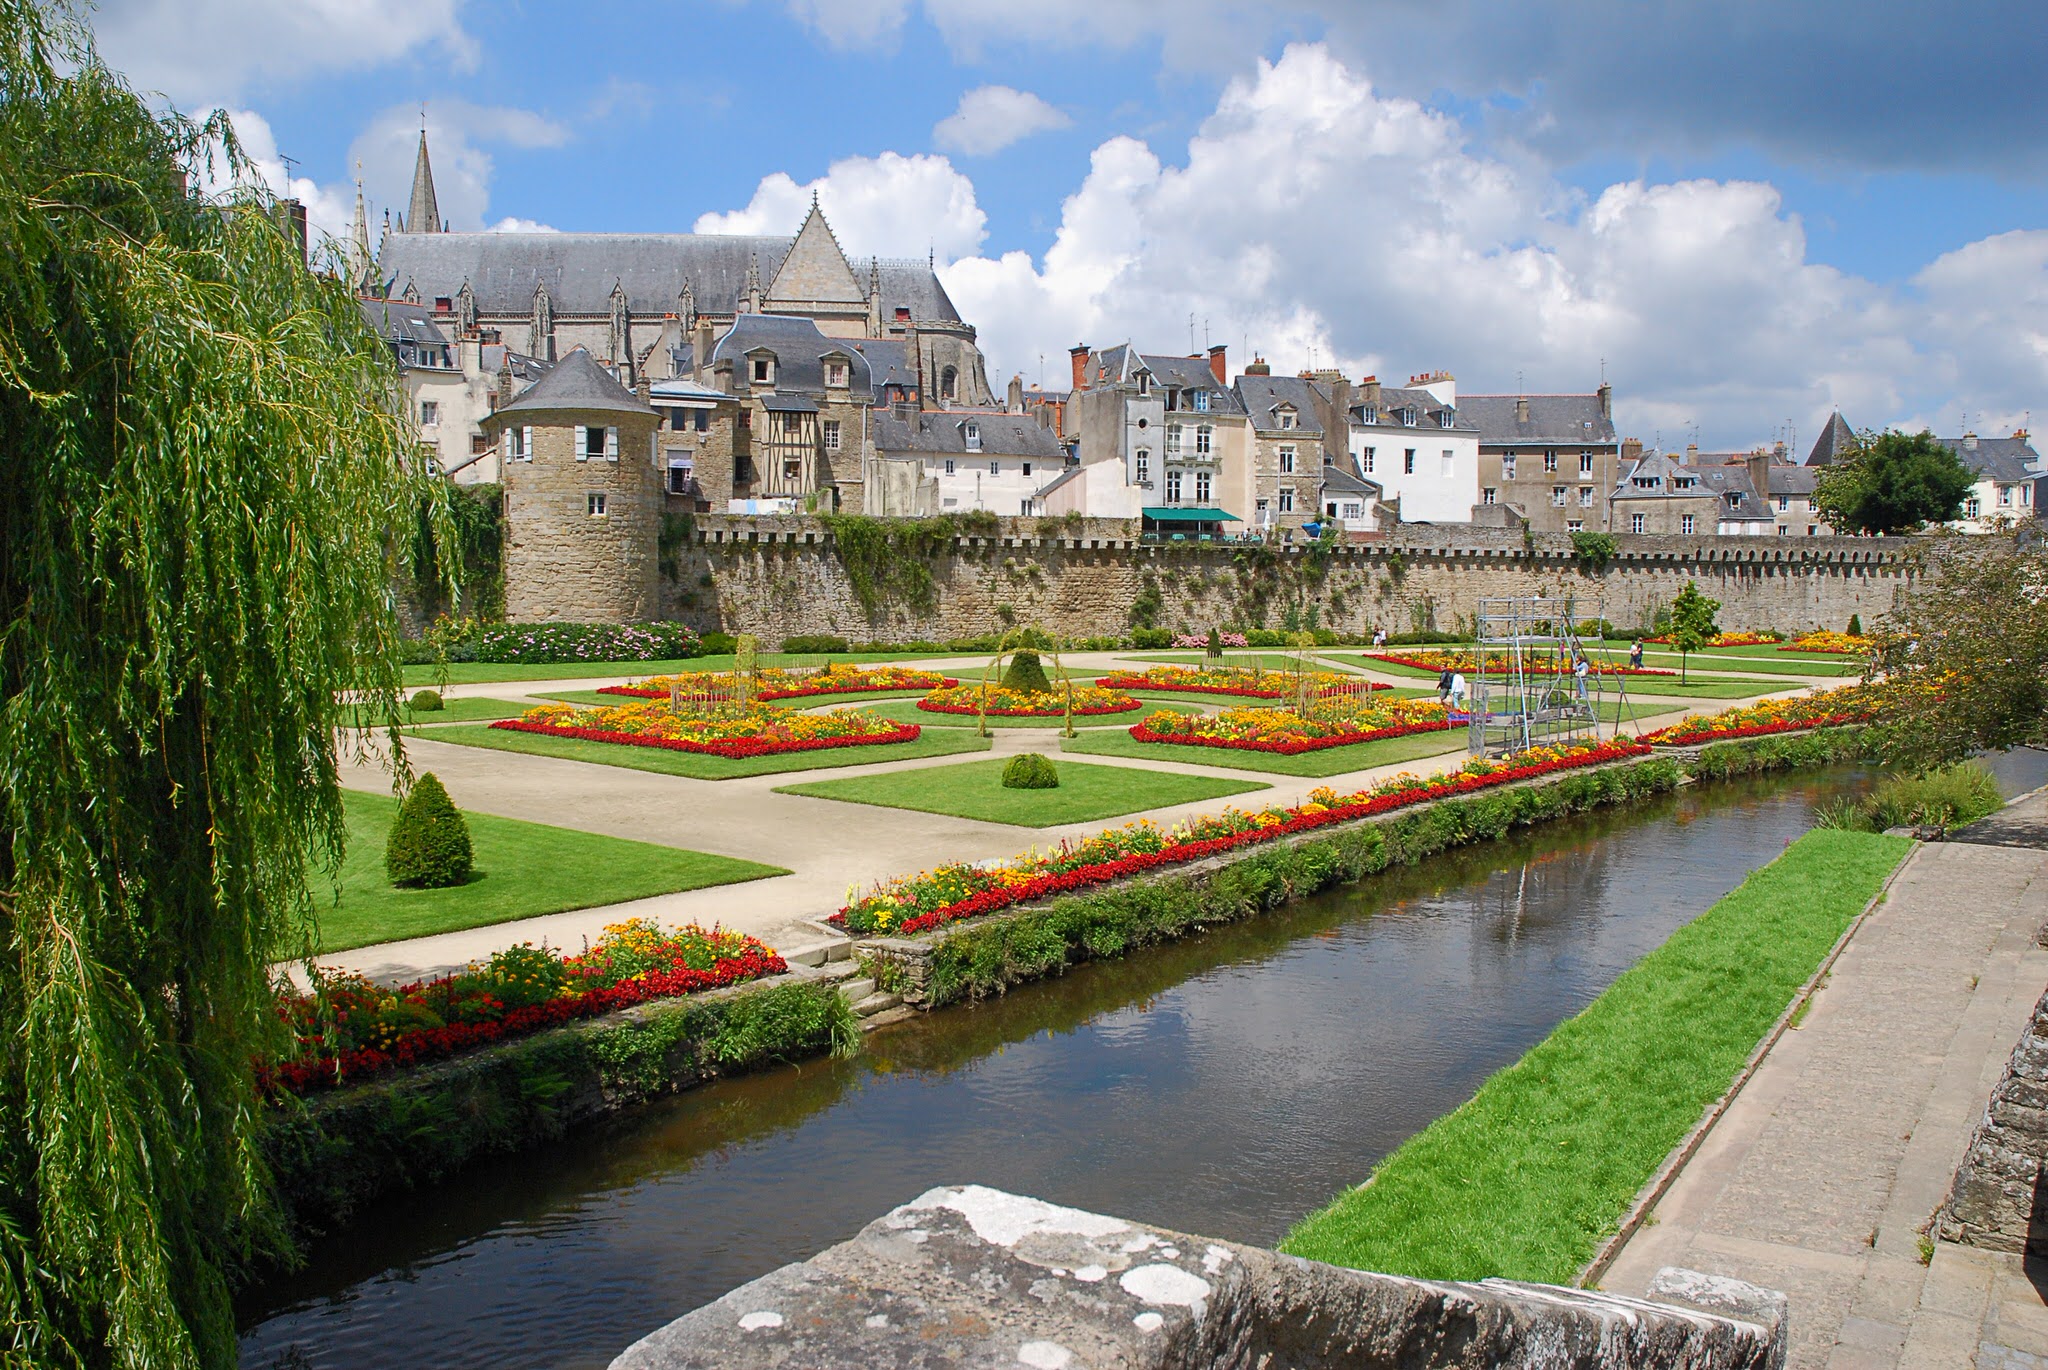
(1524, 691)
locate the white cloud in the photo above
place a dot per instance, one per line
(512, 223)
(853, 24)
(456, 134)
(885, 206)
(329, 209)
(991, 118)
(196, 49)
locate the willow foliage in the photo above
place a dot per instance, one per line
(201, 475)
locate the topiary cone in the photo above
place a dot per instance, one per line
(429, 843)
(1026, 675)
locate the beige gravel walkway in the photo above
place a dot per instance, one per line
(829, 847)
(1821, 1178)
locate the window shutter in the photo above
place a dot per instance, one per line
(526, 442)
(611, 444)
(582, 443)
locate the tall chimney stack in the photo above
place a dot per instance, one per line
(1606, 393)
(1521, 409)
(1219, 365)
(1079, 356)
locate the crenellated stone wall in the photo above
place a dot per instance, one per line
(780, 576)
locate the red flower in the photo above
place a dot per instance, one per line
(734, 748)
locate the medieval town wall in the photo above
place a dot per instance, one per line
(781, 576)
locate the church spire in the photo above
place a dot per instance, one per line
(424, 215)
(359, 241)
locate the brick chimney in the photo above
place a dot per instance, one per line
(1631, 449)
(1369, 392)
(1219, 366)
(1079, 356)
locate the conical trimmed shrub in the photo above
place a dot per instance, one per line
(1026, 674)
(429, 843)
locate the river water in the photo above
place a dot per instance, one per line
(1225, 1085)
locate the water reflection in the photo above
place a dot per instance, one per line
(1224, 1085)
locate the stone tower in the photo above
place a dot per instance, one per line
(583, 498)
(424, 214)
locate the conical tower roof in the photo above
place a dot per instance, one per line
(576, 383)
(424, 215)
(1833, 444)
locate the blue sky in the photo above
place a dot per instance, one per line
(1750, 213)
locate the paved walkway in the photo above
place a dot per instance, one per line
(1822, 1176)
(829, 847)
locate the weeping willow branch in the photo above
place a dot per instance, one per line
(203, 478)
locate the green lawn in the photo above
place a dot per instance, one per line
(454, 711)
(1271, 661)
(1758, 665)
(906, 711)
(489, 672)
(975, 790)
(1333, 761)
(523, 870)
(1528, 1177)
(1696, 686)
(696, 765)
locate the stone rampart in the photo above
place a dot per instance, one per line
(1997, 1201)
(973, 1276)
(779, 576)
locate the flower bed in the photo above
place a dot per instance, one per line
(1200, 641)
(1469, 662)
(349, 1027)
(1228, 680)
(1003, 703)
(1841, 644)
(774, 683)
(912, 904)
(734, 731)
(1730, 639)
(1290, 734)
(1826, 708)
(529, 644)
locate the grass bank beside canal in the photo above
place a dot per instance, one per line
(1527, 1178)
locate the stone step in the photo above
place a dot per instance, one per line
(881, 1001)
(886, 1017)
(856, 990)
(839, 970)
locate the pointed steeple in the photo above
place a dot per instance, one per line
(359, 241)
(424, 214)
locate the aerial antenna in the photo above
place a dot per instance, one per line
(1205, 333)
(1041, 371)
(1191, 331)
(1603, 371)
(1518, 385)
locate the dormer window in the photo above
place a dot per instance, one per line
(764, 370)
(1144, 382)
(1201, 401)
(1683, 482)
(1445, 418)
(1368, 415)
(1286, 417)
(835, 374)
(974, 437)
(1407, 418)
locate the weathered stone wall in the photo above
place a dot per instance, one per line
(776, 577)
(1996, 1201)
(973, 1276)
(562, 564)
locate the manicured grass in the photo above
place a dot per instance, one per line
(697, 766)
(1696, 686)
(1758, 665)
(523, 870)
(1271, 661)
(807, 702)
(1332, 761)
(488, 672)
(906, 711)
(975, 790)
(453, 711)
(1528, 1177)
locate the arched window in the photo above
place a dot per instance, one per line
(949, 381)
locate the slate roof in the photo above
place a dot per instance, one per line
(1791, 480)
(1834, 440)
(1733, 480)
(2005, 460)
(799, 349)
(1558, 420)
(789, 404)
(888, 362)
(1394, 398)
(945, 434)
(410, 327)
(1336, 477)
(495, 357)
(1661, 466)
(577, 383)
(1191, 373)
(580, 269)
(1262, 397)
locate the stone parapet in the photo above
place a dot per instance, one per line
(973, 1276)
(1996, 1201)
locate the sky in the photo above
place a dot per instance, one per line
(1742, 214)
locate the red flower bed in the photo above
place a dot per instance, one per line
(734, 749)
(995, 712)
(1668, 738)
(1561, 669)
(433, 1044)
(801, 692)
(1138, 682)
(1291, 746)
(1001, 897)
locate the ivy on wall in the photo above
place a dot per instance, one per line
(890, 560)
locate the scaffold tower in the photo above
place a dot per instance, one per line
(1525, 690)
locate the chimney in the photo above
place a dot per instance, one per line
(700, 346)
(1045, 416)
(504, 386)
(1692, 453)
(1016, 397)
(1369, 392)
(1521, 409)
(1258, 367)
(1631, 449)
(1606, 394)
(1079, 356)
(1969, 442)
(1219, 366)
(644, 387)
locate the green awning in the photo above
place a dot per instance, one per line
(1168, 514)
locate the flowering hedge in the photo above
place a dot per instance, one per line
(349, 1027)
(1290, 734)
(734, 731)
(1003, 703)
(1730, 639)
(1468, 661)
(1229, 680)
(1820, 709)
(1200, 641)
(1841, 643)
(535, 644)
(775, 683)
(912, 904)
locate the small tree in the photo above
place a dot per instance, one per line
(1855, 625)
(1893, 483)
(1692, 623)
(1026, 674)
(1030, 771)
(429, 843)
(1215, 650)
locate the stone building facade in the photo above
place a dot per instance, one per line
(1533, 446)
(583, 498)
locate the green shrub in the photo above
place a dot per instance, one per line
(1951, 797)
(1264, 637)
(530, 644)
(718, 644)
(1030, 771)
(1422, 638)
(425, 702)
(1855, 625)
(1026, 674)
(804, 643)
(1215, 648)
(429, 843)
(1151, 639)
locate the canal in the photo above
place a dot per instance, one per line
(1225, 1085)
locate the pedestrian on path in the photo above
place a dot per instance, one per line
(1443, 687)
(1635, 656)
(1457, 692)
(1379, 637)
